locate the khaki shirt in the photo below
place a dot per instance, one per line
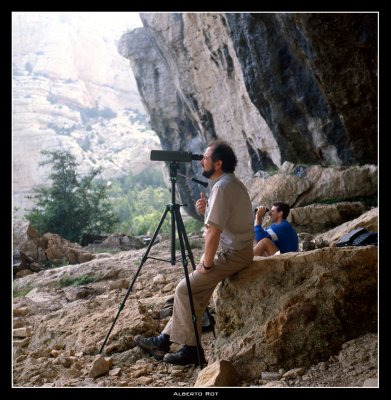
(229, 209)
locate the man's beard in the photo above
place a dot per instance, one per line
(208, 174)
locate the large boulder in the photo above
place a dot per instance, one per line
(299, 186)
(317, 218)
(296, 309)
(368, 220)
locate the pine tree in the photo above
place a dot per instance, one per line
(72, 206)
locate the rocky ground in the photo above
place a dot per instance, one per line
(58, 332)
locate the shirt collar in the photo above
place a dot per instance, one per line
(214, 181)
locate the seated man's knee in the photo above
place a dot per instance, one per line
(265, 247)
(260, 247)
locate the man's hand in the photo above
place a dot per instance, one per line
(201, 204)
(201, 268)
(259, 215)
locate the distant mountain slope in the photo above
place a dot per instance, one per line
(73, 91)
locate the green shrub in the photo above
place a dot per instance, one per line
(77, 281)
(22, 292)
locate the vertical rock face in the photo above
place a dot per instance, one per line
(278, 87)
(169, 114)
(313, 78)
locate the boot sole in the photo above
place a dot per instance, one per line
(175, 361)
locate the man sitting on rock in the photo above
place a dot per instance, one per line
(228, 220)
(280, 236)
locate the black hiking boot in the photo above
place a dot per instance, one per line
(186, 355)
(156, 346)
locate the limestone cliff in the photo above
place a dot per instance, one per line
(279, 87)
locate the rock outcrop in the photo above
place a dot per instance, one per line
(279, 86)
(308, 304)
(303, 185)
(34, 252)
(368, 220)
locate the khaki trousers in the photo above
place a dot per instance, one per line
(180, 327)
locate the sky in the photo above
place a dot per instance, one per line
(126, 20)
(122, 21)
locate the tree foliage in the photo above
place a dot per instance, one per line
(72, 205)
(140, 201)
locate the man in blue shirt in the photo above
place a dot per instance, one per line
(280, 236)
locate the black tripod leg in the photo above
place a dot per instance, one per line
(182, 236)
(143, 259)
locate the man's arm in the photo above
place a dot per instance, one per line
(212, 240)
(260, 233)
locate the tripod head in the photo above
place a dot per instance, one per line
(174, 166)
(175, 157)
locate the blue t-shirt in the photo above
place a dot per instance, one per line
(283, 236)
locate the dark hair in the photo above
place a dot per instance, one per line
(223, 152)
(281, 206)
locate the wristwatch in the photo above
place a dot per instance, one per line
(206, 268)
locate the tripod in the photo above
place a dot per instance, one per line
(176, 221)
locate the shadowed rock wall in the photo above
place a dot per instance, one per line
(313, 78)
(278, 87)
